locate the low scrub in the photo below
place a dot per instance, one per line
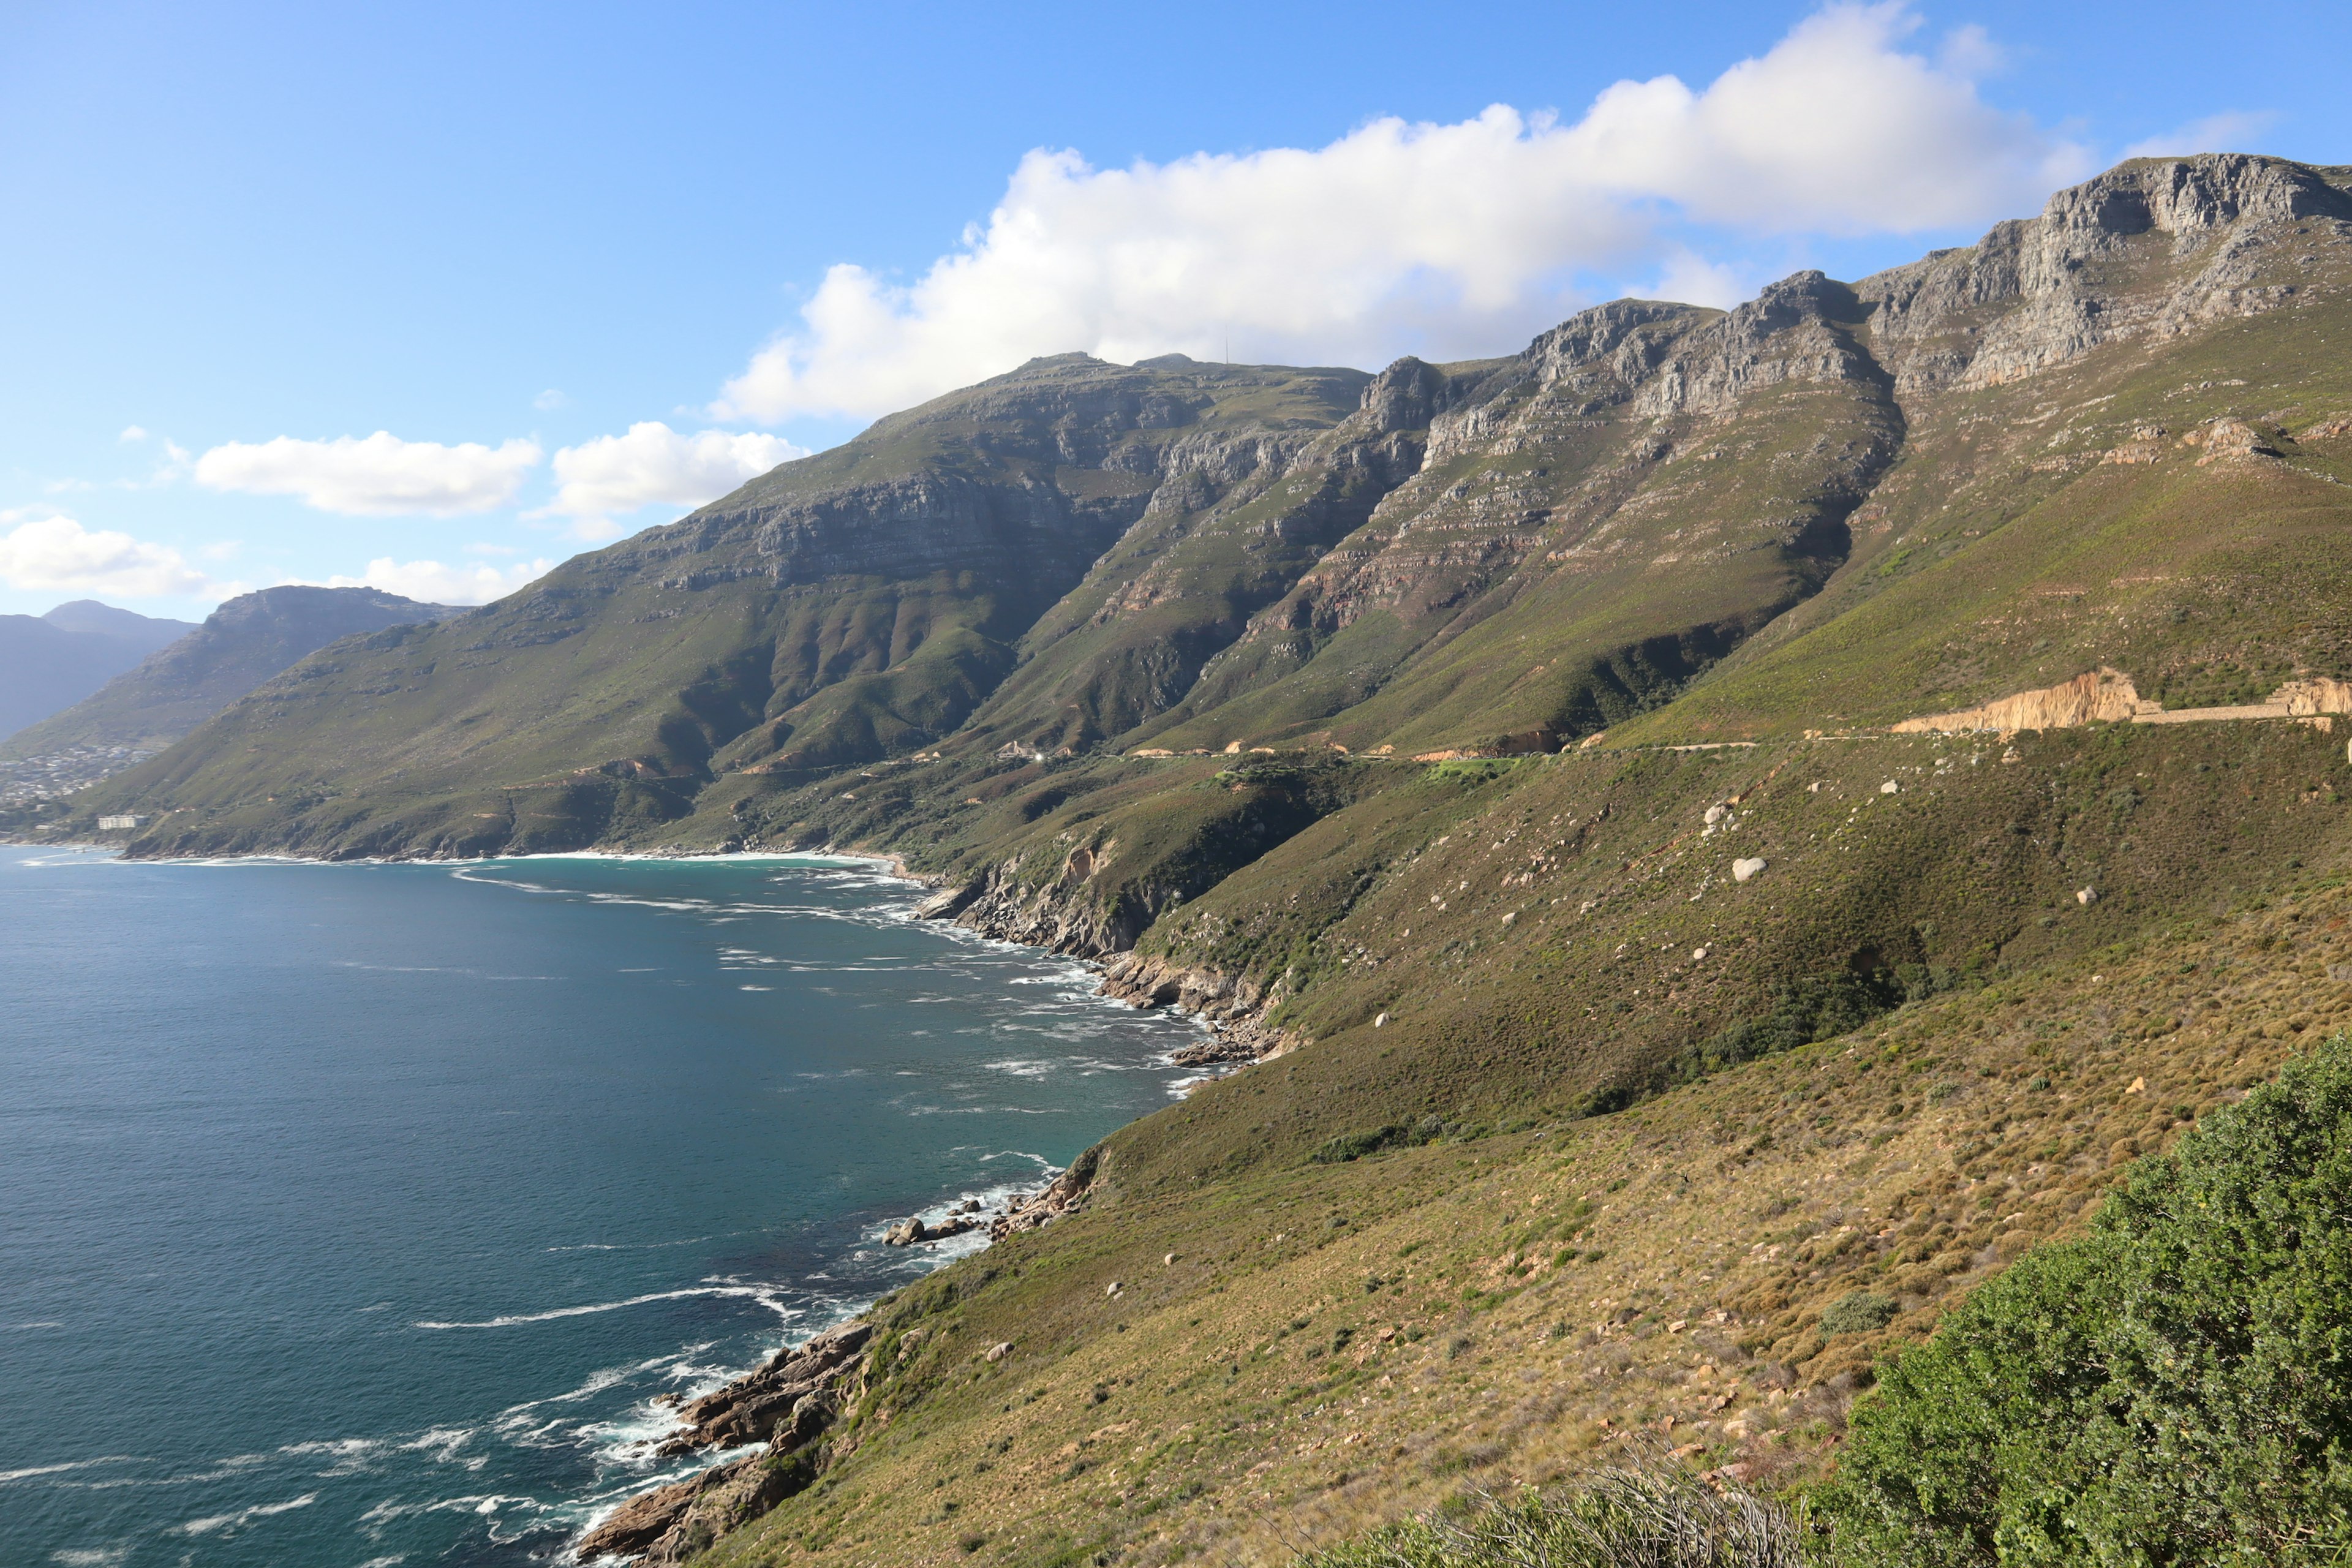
(2174, 1388)
(1647, 1511)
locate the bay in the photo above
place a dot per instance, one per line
(357, 1216)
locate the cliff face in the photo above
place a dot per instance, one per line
(2153, 247)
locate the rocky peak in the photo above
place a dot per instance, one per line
(2192, 195)
(2042, 292)
(1610, 338)
(1406, 396)
(1789, 331)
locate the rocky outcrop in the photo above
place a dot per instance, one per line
(1066, 1193)
(2224, 440)
(2101, 694)
(1051, 915)
(1232, 1008)
(915, 1231)
(788, 1403)
(754, 1407)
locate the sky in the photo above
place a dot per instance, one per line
(430, 297)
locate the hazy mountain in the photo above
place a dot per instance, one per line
(241, 645)
(52, 661)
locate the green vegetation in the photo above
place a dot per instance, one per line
(1649, 1513)
(2172, 1388)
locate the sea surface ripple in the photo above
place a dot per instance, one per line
(360, 1215)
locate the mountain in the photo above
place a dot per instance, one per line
(241, 645)
(1705, 839)
(53, 661)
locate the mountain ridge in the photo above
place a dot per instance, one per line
(57, 658)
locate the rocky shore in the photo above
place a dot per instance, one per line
(790, 1407)
(787, 1406)
(1232, 1008)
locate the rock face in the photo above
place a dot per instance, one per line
(752, 1409)
(2042, 292)
(2101, 694)
(2107, 696)
(788, 1404)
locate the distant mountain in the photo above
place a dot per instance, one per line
(242, 643)
(53, 661)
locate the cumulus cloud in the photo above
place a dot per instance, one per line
(58, 555)
(379, 475)
(1443, 239)
(434, 583)
(2231, 131)
(654, 463)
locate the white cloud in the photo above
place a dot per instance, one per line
(1445, 239)
(133, 433)
(434, 583)
(549, 400)
(1692, 279)
(2232, 131)
(59, 554)
(380, 476)
(654, 463)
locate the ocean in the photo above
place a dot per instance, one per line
(356, 1215)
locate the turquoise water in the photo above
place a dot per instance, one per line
(355, 1215)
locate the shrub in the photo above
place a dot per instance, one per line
(1857, 1312)
(1646, 1512)
(2175, 1388)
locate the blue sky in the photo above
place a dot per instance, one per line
(584, 266)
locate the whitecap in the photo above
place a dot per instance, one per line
(244, 1516)
(31, 1471)
(762, 1293)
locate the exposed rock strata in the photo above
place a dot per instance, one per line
(2107, 696)
(2101, 694)
(788, 1404)
(1055, 916)
(2038, 293)
(754, 1407)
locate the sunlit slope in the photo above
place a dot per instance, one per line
(2177, 510)
(1547, 1198)
(1234, 525)
(1643, 488)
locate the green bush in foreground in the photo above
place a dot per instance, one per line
(2175, 1388)
(1646, 1512)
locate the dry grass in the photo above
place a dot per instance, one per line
(1215, 1410)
